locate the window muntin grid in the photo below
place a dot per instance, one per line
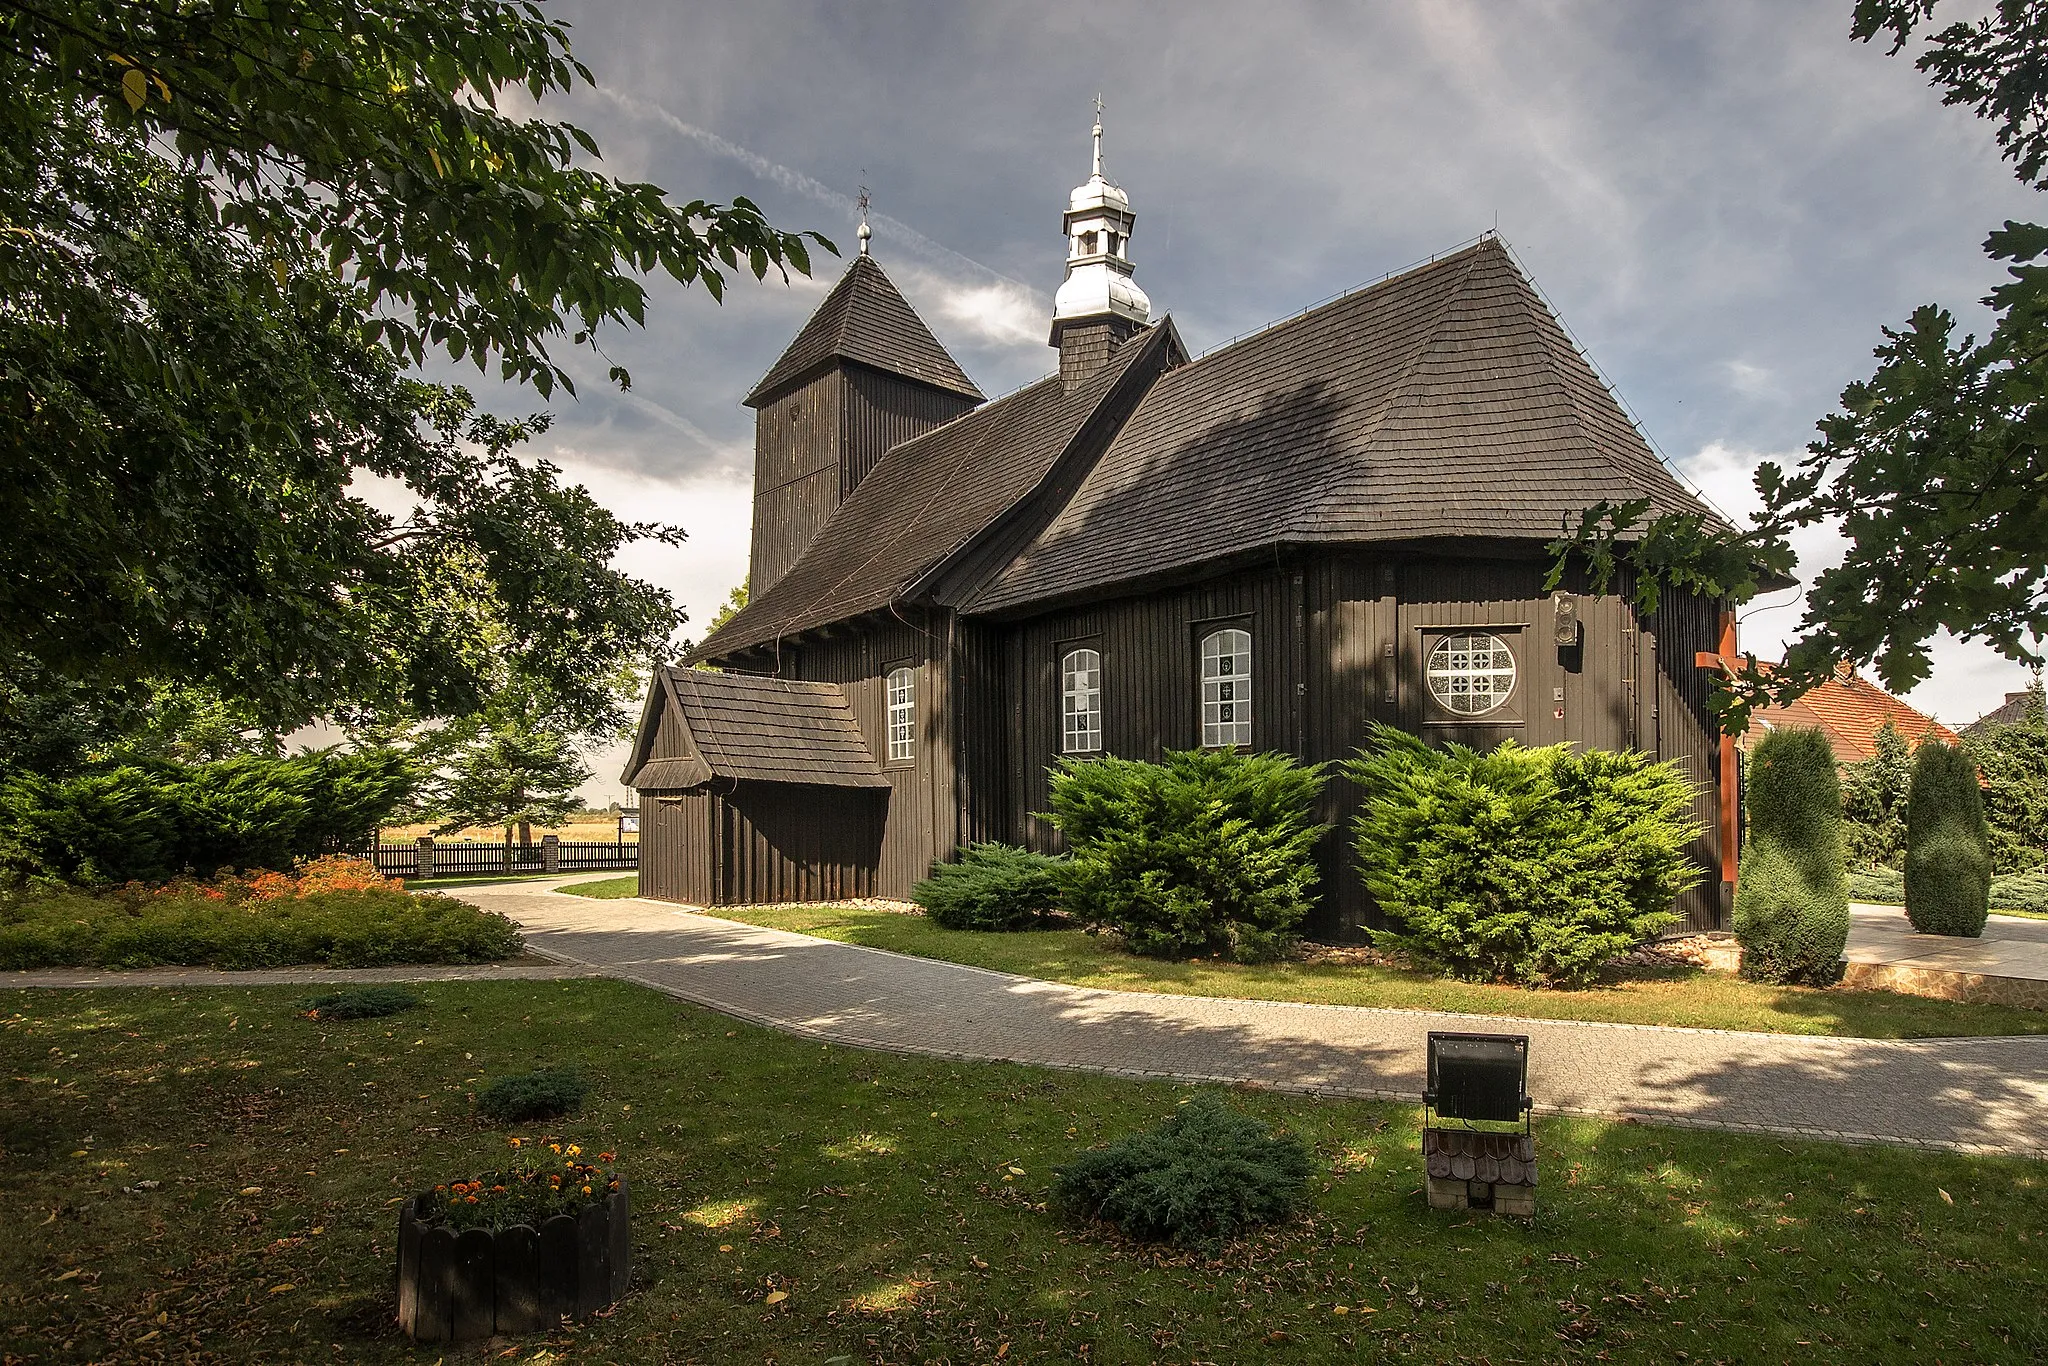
(1470, 675)
(1081, 702)
(1226, 689)
(902, 714)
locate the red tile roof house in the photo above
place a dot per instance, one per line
(1850, 710)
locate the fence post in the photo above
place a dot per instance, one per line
(551, 853)
(423, 857)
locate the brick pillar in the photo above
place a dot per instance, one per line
(551, 853)
(423, 857)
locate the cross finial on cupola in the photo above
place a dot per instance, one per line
(1100, 304)
(865, 231)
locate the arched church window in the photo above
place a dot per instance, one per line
(1226, 689)
(1471, 675)
(1081, 702)
(902, 714)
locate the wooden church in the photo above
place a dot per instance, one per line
(1335, 521)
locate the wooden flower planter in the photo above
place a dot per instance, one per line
(455, 1286)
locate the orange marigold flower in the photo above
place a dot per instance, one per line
(606, 1157)
(574, 1151)
(586, 1190)
(517, 1141)
(470, 1198)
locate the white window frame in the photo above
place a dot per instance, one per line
(1464, 674)
(901, 693)
(1227, 696)
(1081, 701)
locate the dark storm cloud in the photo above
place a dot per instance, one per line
(1724, 202)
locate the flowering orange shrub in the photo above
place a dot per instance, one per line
(527, 1193)
(328, 873)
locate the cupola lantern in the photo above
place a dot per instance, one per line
(1100, 304)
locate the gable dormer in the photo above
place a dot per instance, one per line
(863, 375)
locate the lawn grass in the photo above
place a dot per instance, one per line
(1688, 997)
(207, 1173)
(609, 889)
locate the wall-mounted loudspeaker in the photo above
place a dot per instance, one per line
(1564, 621)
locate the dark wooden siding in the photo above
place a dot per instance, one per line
(677, 854)
(1338, 643)
(881, 410)
(760, 842)
(924, 806)
(816, 442)
(797, 443)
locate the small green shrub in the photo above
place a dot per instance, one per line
(1207, 1174)
(546, 1094)
(1948, 844)
(991, 887)
(2021, 891)
(187, 927)
(1527, 865)
(1884, 886)
(1210, 852)
(361, 1003)
(1792, 894)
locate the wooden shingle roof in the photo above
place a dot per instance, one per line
(745, 727)
(931, 497)
(1446, 402)
(866, 319)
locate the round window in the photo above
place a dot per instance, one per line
(1471, 675)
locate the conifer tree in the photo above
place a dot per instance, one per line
(1792, 892)
(1948, 844)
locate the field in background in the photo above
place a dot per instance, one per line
(592, 828)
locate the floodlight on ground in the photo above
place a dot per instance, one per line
(1478, 1144)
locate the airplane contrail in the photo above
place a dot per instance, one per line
(895, 229)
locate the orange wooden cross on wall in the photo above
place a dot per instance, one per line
(1728, 660)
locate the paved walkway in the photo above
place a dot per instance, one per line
(2011, 946)
(1970, 1094)
(1985, 1095)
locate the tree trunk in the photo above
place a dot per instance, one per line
(508, 848)
(525, 840)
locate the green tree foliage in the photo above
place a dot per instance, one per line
(1209, 852)
(1874, 801)
(1936, 468)
(2014, 761)
(1948, 845)
(1791, 892)
(510, 772)
(734, 603)
(225, 231)
(156, 819)
(1206, 1175)
(992, 887)
(1535, 866)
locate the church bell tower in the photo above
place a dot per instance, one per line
(1100, 304)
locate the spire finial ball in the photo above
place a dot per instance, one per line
(864, 234)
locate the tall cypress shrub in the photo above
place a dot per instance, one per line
(1792, 889)
(1948, 844)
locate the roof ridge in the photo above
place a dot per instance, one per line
(1399, 392)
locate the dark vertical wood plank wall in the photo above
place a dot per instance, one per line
(1339, 642)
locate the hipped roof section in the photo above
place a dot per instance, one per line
(866, 319)
(931, 496)
(1446, 402)
(743, 727)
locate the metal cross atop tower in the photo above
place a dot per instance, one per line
(865, 231)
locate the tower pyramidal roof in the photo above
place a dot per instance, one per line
(865, 319)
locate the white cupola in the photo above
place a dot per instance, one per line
(1099, 291)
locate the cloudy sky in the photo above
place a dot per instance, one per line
(1723, 202)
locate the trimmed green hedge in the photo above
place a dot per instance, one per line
(154, 821)
(1526, 865)
(1948, 844)
(1792, 892)
(1210, 852)
(186, 927)
(992, 887)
